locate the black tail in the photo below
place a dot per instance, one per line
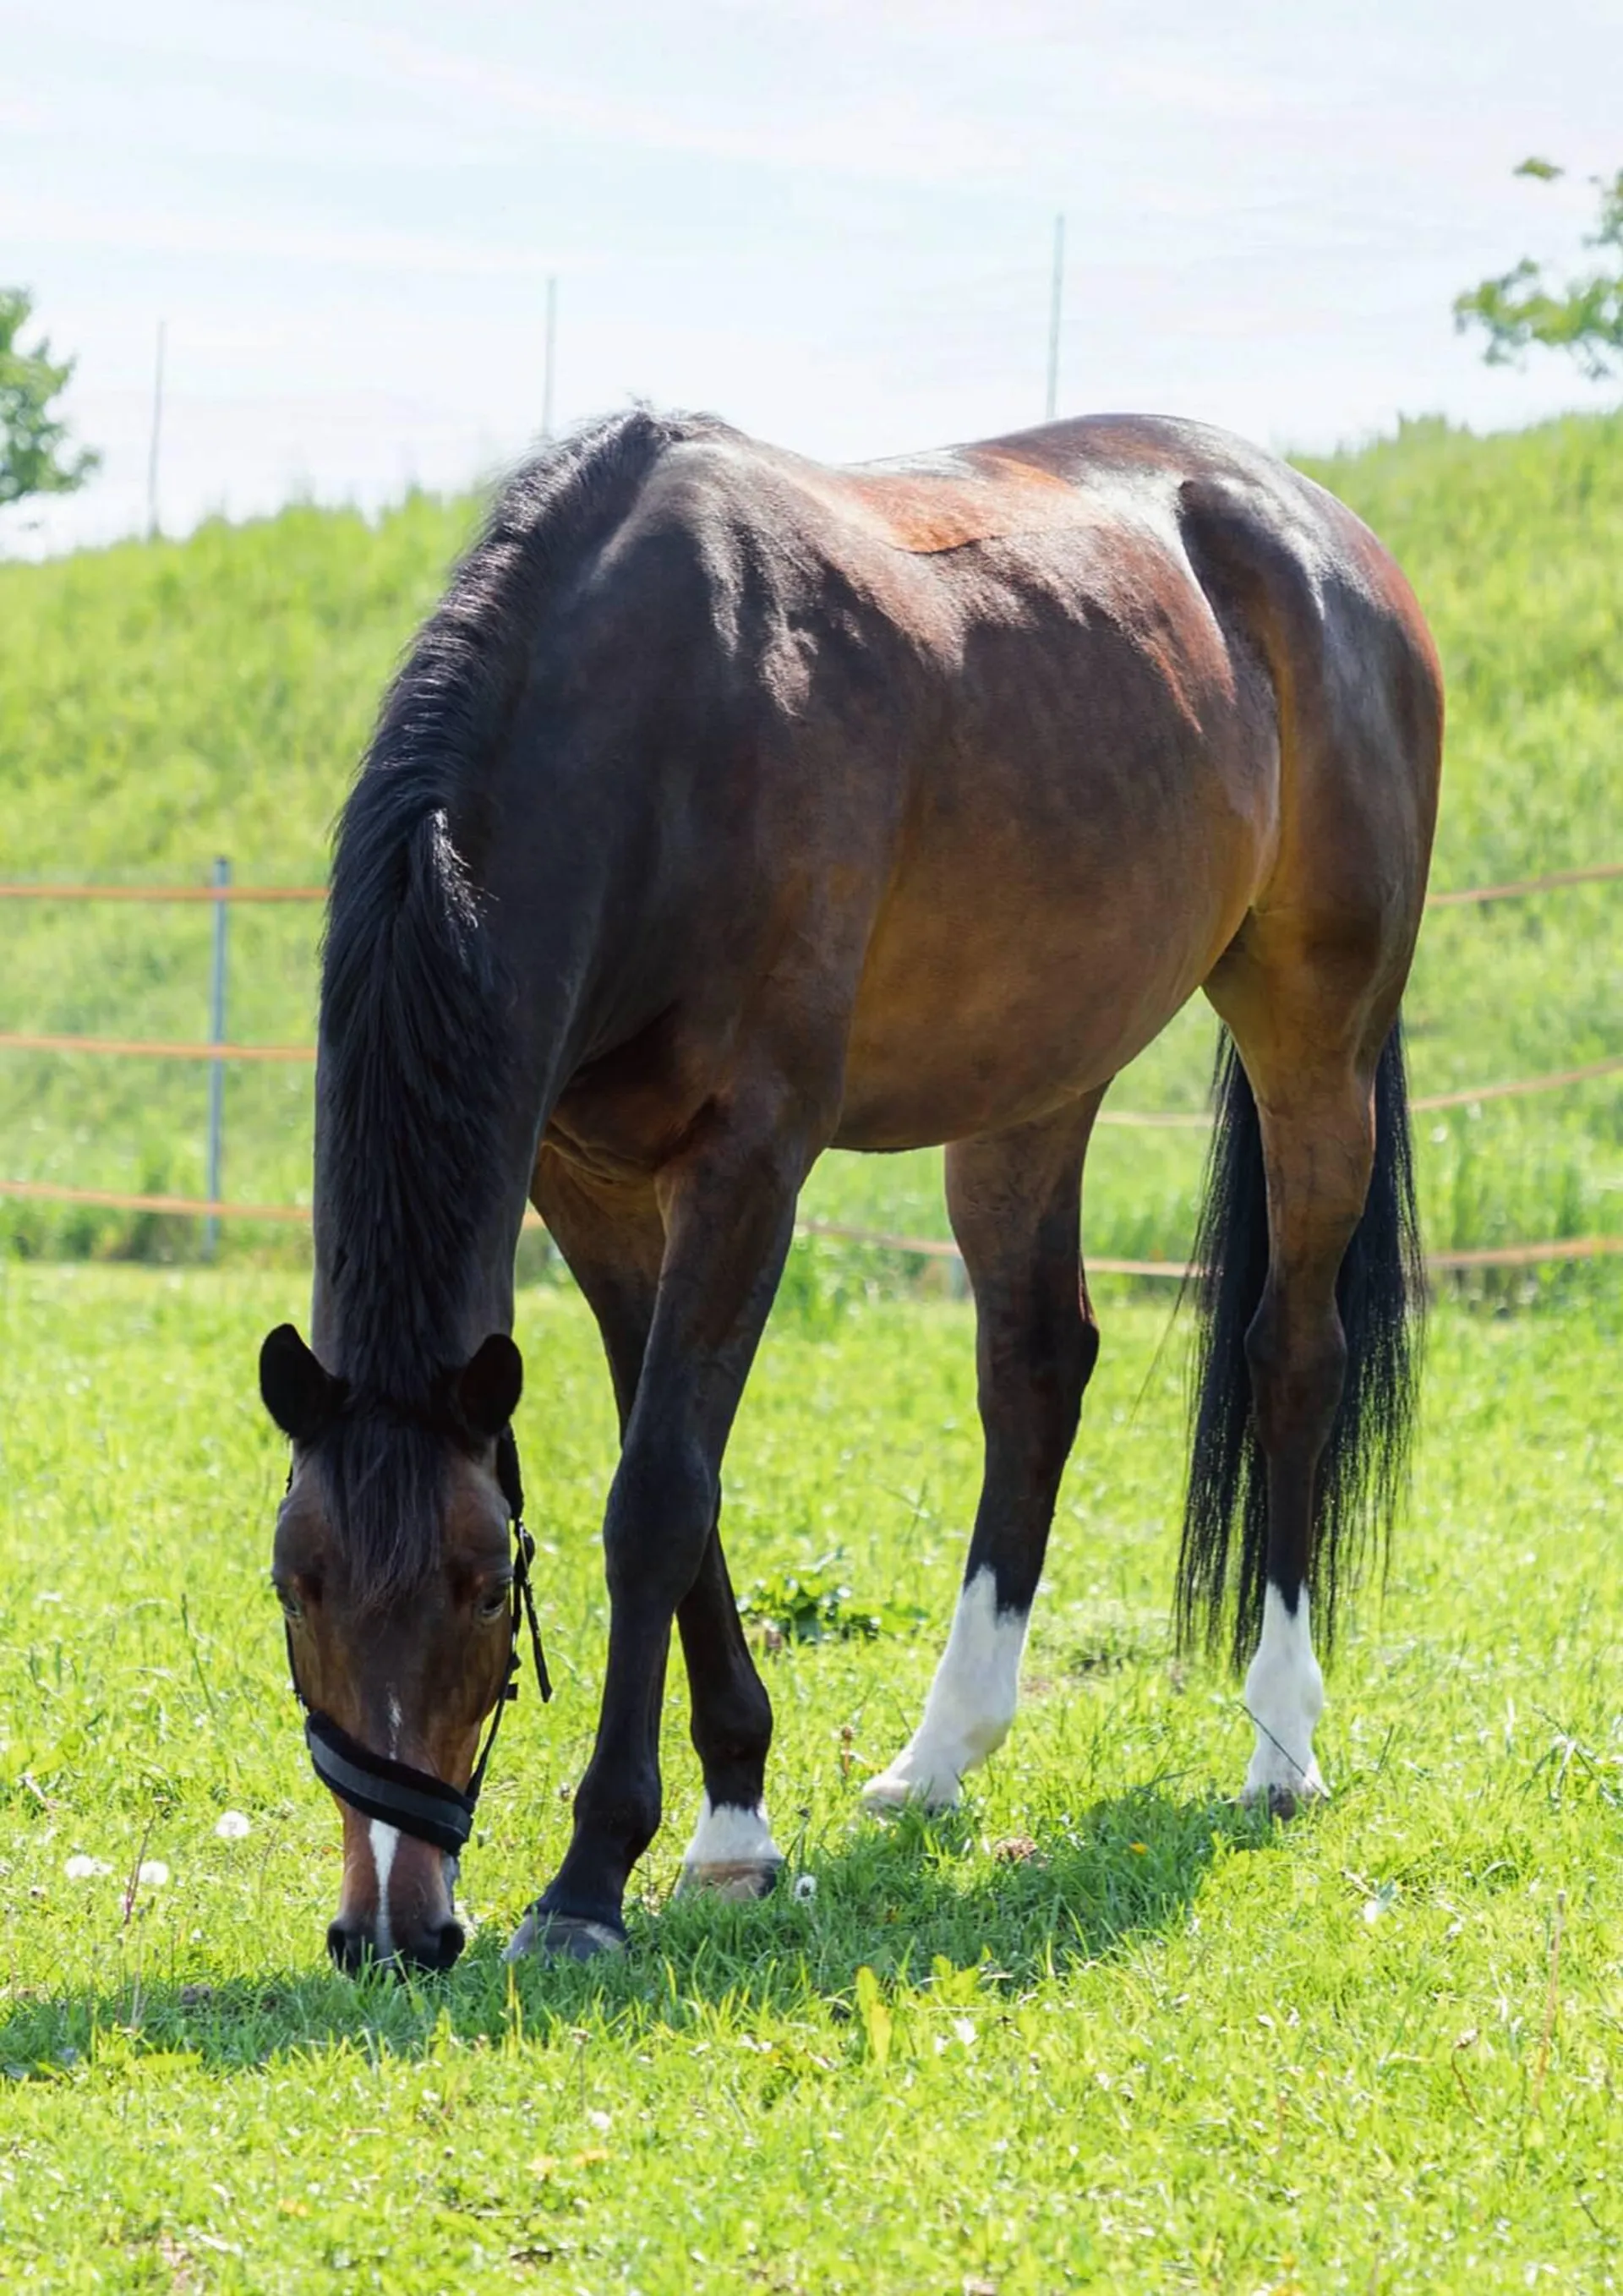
(1381, 1294)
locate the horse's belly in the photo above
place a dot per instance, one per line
(959, 1074)
(989, 1004)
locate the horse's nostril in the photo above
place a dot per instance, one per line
(437, 1948)
(349, 1946)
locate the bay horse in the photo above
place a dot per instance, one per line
(729, 809)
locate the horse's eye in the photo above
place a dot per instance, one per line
(495, 1603)
(291, 1607)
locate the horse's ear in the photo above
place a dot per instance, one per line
(300, 1396)
(486, 1390)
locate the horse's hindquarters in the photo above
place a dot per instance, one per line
(1082, 850)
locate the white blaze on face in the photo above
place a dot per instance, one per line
(1284, 1696)
(970, 1704)
(385, 1840)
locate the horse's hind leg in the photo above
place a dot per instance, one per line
(1015, 1207)
(613, 1240)
(1310, 1043)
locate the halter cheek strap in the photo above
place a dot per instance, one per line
(392, 1792)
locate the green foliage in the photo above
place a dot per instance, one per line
(34, 456)
(1101, 2030)
(163, 703)
(1584, 317)
(814, 1605)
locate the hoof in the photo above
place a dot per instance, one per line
(737, 1883)
(562, 1936)
(1286, 1802)
(894, 1791)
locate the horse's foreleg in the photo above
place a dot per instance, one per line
(727, 1214)
(1015, 1206)
(732, 1850)
(613, 1240)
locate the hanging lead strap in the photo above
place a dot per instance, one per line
(511, 1482)
(526, 1592)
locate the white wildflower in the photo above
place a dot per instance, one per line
(231, 1825)
(805, 1889)
(600, 2121)
(86, 1869)
(151, 1874)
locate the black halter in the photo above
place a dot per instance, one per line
(393, 1792)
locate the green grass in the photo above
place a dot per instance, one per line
(162, 702)
(1116, 2034)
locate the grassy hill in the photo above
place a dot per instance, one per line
(162, 702)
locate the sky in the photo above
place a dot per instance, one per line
(829, 220)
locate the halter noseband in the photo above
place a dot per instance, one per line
(393, 1792)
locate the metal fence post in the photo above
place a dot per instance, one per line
(216, 1069)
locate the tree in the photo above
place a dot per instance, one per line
(1584, 317)
(34, 457)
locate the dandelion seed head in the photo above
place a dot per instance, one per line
(86, 1869)
(231, 1825)
(805, 1888)
(153, 1874)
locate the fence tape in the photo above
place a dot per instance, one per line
(163, 892)
(1601, 871)
(1166, 1119)
(144, 1050)
(923, 1247)
(1462, 1096)
(111, 1199)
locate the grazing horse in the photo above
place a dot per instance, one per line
(730, 809)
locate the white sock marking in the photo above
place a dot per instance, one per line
(731, 1836)
(732, 1852)
(1284, 1696)
(385, 1840)
(970, 1704)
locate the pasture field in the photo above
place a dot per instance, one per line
(1101, 2030)
(162, 702)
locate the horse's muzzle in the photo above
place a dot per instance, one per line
(432, 1947)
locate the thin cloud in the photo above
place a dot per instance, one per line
(68, 224)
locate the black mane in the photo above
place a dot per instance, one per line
(416, 1064)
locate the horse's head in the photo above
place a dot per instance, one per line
(394, 1564)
